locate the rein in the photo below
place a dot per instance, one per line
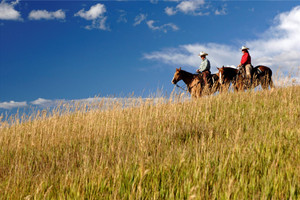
(189, 88)
(181, 87)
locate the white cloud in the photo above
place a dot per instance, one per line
(45, 102)
(190, 6)
(93, 13)
(170, 11)
(96, 15)
(187, 7)
(12, 104)
(44, 14)
(163, 27)
(279, 45)
(139, 19)
(8, 12)
(277, 48)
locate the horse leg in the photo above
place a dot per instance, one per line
(227, 86)
(255, 80)
(197, 91)
(271, 84)
(236, 88)
(264, 85)
(224, 87)
(264, 82)
(215, 87)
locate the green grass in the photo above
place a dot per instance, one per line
(229, 146)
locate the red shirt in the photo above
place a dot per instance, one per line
(246, 59)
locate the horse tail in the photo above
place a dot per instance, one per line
(271, 84)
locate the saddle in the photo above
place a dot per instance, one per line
(208, 80)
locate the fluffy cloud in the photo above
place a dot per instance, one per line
(93, 13)
(43, 103)
(280, 44)
(187, 7)
(96, 15)
(278, 48)
(170, 11)
(163, 27)
(44, 14)
(8, 12)
(12, 104)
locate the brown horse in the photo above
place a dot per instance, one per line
(262, 75)
(195, 83)
(227, 75)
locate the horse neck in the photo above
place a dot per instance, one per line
(230, 72)
(187, 78)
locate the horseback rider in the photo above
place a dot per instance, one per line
(245, 64)
(204, 67)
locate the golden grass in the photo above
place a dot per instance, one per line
(229, 146)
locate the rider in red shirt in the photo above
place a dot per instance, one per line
(246, 58)
(246, 63)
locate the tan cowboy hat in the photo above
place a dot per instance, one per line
(202, 54)
(244, 48)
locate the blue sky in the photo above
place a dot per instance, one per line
(52, 50)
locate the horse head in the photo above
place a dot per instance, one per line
(177, 76)
(221, 75)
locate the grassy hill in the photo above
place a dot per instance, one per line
(229, 146)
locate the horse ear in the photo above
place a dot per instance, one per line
(179, 69)
(218, 68)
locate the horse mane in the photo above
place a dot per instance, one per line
(188, 73)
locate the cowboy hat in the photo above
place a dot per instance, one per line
(202, 54)
(244, 48)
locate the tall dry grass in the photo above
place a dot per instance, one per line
(229, 146)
